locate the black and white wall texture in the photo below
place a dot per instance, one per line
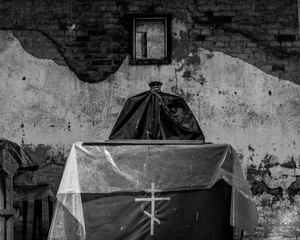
(65, 76)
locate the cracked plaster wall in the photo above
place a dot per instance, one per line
(46, 108)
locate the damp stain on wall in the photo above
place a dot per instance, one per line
(189, 97)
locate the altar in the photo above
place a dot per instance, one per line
(158, 189)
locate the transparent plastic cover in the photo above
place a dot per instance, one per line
(113, 182)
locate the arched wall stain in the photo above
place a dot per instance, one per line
(263, 33)
(47, 107)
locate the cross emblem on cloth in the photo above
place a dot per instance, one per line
(152, 199)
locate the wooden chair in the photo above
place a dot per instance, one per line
(35, 193)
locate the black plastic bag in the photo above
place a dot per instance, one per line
(156, 115)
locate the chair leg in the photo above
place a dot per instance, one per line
(37, 219)
(34, 224)
(50, 210)
(25, 209)
(40, 219)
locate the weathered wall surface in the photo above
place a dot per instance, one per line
(46, 108)
(261, 32)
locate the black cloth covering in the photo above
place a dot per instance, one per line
(191, 215)
(156, 115)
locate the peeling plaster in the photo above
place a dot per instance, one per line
(279, 219)
(178, 28)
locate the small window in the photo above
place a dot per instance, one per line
(150, 39)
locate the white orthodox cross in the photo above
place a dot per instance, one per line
(152, 200)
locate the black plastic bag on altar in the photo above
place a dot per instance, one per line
(156, 115)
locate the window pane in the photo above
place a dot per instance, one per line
(150, 38)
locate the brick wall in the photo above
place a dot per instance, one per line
(91, 37)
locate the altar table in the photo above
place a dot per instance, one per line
(139, 189)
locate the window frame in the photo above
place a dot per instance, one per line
(167, 18)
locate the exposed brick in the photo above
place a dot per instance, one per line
(81, 44)
(285, 38)
(117, 62)
(82, 38)
(200, 38)
(274, 44)
(286, 44)
(93, 32)
(278, 68)
(234, 27)
(296, 44)
(101, 62)
(205, 31)
(92, 68)
(223, 38)
(221, 19)
(88, 56)
(223, 13)
(267, 68)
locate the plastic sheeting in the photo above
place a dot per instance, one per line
(156, 115)
(119, 174)
(13, 157)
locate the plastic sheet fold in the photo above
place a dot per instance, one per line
(13, 158)
(116, 175)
